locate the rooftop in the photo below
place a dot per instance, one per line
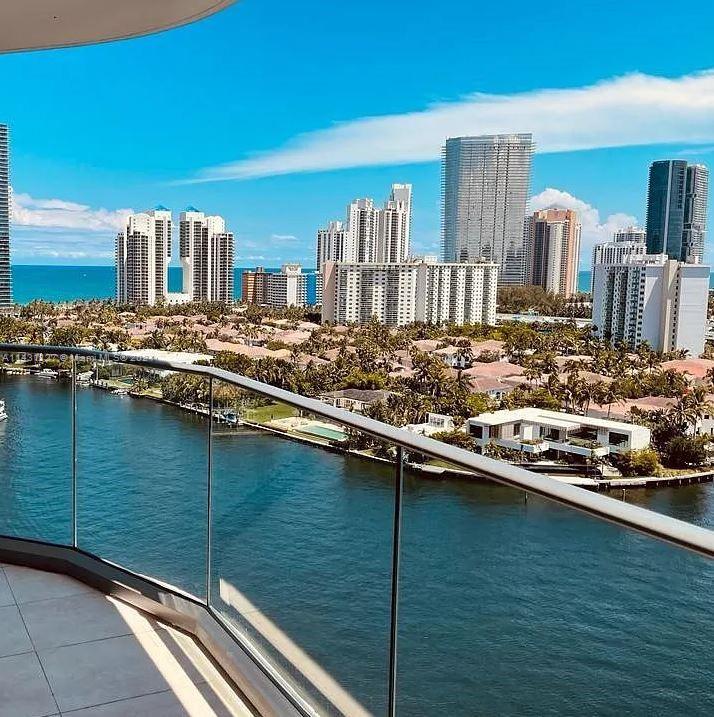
(557, 419)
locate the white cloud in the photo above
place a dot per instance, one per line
(696, 151)
(635, 109)
(283, 237)
(28, 211)
(594, 229)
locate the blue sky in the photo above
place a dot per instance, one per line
(260, 88)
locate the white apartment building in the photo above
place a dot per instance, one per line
(143, 253)
(362, 224)
(652, 298)
(142, 256)
(394, 226)
(400, 294)
(288, 287)
(206, 251)
(625, 243)
(331, 244)
(369, 234)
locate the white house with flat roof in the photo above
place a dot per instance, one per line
(537, 431)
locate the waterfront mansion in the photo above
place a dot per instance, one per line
(538, 431)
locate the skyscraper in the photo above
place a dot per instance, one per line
(394, 226)
(142, 258)
(362, 223)
(369, 234)
(553, 237)
(665, 207)
(330, 244)
(5, 276)
(207, 252)
(695, 212)
(485, 184)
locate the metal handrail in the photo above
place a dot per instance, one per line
(677, 532)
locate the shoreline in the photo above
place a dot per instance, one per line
(607, 485)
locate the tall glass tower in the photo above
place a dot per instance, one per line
(485, 184)
(695, 212)
(5, 278)
(665, 207)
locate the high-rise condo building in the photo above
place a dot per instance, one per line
(362, 224)
(625, 243)
(331, 244)
(652, 298)
(287, 287)
(5, 276)
(394, 226)
(677, 209)
(369, 234)
(553, 250)
(399, 294)
(254, 286)
(142, 255)
(665, 207)
(207, 251)
(485, 185)
(696, 196)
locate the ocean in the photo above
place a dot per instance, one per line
(508, 607)
(71, 283)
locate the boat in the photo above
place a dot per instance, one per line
(3, 412)
(47, 373)
(120, 392)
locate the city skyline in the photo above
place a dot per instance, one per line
(67, 166)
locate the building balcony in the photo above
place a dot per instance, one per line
(285, 558)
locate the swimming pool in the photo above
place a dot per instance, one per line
(332, 434)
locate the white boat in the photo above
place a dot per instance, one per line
(3, 412)
(47, 373)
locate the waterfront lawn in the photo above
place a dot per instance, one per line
(265, 414)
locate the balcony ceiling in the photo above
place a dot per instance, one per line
(41, 24)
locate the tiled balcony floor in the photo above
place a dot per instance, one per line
(66, 649)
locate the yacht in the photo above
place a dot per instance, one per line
(3, 412)
(47, 373)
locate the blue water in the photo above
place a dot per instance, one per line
(68, 283)
(507, 607)
(71, 283)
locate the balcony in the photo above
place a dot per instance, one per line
(65, 646)
(310, 578)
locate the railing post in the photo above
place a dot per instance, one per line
(396, 554)
(74, 450)
(209, 486)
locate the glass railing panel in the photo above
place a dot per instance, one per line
(142, 460)
(521, 607)
(36, 448)
(301, 549)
